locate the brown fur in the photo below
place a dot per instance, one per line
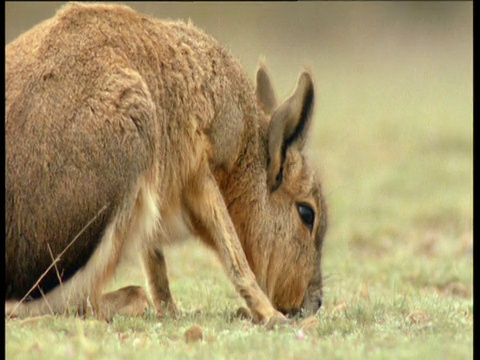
(156, 120)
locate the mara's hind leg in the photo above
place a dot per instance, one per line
(156, 269)
(120, 125)
(82, 292)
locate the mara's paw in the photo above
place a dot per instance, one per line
(168, 308)
(264, 313)
(172, 310)
(127, 301)
(277, 320)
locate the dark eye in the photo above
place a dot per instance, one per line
(306, 214)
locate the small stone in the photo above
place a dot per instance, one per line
(138, 342)
(457, 288)
(36, 347)
(340, 306)
(300, 335)
(418, 316)
(193, 333)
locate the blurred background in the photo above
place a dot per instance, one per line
(393, 130)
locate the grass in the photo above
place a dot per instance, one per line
(393, 142)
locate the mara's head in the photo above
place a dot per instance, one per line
(282, 218)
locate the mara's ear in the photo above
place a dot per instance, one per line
(264, 90)
(289, 127)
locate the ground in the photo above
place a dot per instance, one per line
(393, 142)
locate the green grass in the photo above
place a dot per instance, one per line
(394, 146)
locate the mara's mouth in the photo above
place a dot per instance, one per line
(306, 309)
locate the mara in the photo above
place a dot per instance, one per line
(119, 127)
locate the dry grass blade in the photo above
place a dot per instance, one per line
(59, 277)
(56, 267)
(46, 301)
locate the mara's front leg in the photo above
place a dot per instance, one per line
(156, 271)
(211, 219)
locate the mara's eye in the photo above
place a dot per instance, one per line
(306, 214)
